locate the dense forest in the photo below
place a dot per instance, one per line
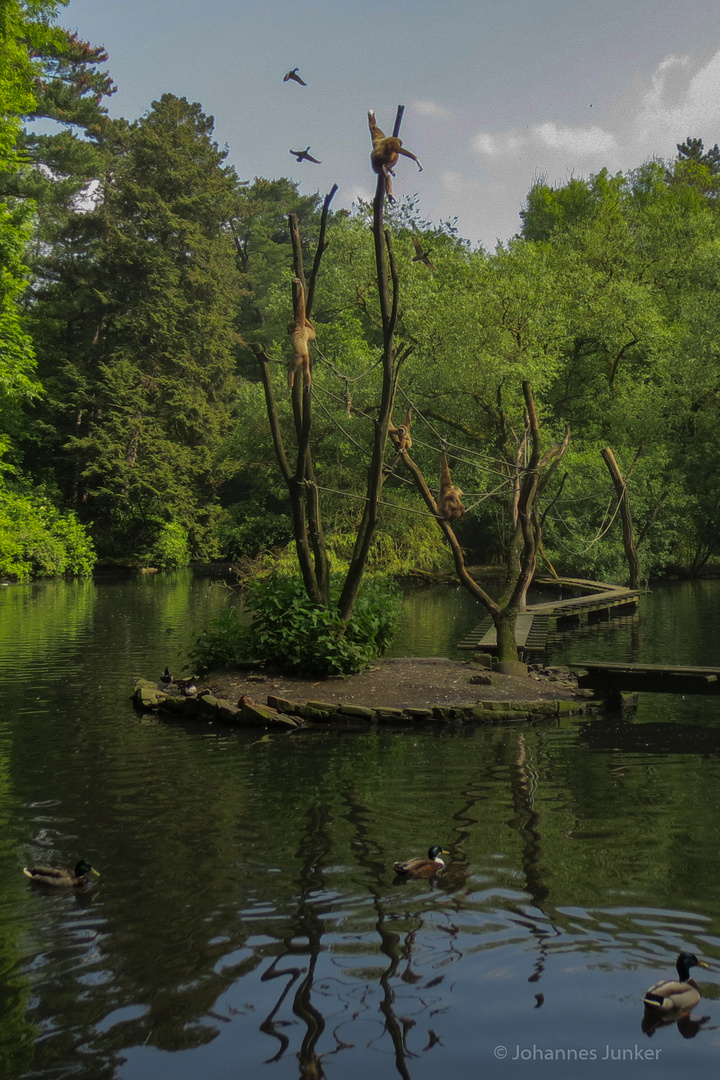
(141, 278)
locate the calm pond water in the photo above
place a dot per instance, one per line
(247, 922)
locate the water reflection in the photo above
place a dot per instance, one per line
(247, 921)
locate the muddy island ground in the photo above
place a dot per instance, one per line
(400, 690)
(402, 683)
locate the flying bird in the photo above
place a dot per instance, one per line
(294, 76)
(420, 255)
(304, 155)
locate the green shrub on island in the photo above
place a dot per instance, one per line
(248, 528)
(38, 540)
(288, 632)
(172, 548)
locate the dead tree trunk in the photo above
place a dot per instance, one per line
(629, 544)
(300, 479)
(521, 556)
(386, 274)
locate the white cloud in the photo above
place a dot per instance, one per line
(488, 185)
(453, 182)
(430, 108)
(581, 141)
(678, 104)
(501, 144)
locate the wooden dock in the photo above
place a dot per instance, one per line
(593, 607)
(600, 603)
(609, 679)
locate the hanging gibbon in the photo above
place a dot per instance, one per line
(385, 152)
(302, 331)
(401, 435)
(448, 504)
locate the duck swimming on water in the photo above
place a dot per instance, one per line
(67, 879)
(676, 995)
(423, 868)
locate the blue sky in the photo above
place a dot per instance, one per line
(496, 94)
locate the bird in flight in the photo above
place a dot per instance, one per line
(304, 155)
(294, 76)
(420, 255)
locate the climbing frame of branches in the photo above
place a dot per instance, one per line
(300, 477)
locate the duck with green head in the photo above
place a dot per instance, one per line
(676, 995)
(423, 868)
(57, 878)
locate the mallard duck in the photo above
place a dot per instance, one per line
(69, 879)
(420, 255)
(187, 687)
(305, 155)
(294, 76)
(676, 995)
(423, 868)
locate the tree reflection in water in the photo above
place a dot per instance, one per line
(526, 822)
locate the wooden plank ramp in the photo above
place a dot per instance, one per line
(530, 634)
(599, 603)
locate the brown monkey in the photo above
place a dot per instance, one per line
(401, 435)
(385, 152)
(448, 504)
(302, 332)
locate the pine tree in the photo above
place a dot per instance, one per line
(143, 374)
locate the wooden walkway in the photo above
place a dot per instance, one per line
(612, 678)
(601, 602)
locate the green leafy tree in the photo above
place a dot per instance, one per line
(141, 366)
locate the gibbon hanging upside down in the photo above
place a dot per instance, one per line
(385, 152)
(401, 435)
(302, 332)
(448, 504)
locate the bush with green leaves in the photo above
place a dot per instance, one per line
(38, 540)
(248, 528)
(171, 549)
(288, 632)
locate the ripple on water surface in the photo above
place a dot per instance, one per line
(248, 916)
